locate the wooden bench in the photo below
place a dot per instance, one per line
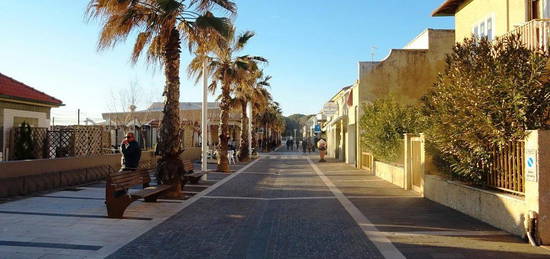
(118, 197)
(190, 175)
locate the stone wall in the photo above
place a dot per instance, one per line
(500, 210)
(391, 173)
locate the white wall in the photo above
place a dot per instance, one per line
(422, 41)
(9, 114)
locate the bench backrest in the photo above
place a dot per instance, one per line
(187, 166)
(126, 179)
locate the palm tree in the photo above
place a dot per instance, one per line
(228, 70)
(273, 123)
(253, 91)
(160, 25)
(260, 101)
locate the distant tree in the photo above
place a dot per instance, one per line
(24, 143)
(489, 95)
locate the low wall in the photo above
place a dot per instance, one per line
(391, 173)
(500, 210)
(29, 176)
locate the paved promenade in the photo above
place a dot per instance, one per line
(283, 205)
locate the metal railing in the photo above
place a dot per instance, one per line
(534, 34)
(507, 171)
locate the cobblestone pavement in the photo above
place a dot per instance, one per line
(286, 206)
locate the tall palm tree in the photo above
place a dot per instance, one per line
(253, 91)
(228, 70)
(160, 25)
(260, 101)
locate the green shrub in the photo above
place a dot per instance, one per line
(24, 143)
(383, 124)
(489, 95)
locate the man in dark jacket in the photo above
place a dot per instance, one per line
(131, 152)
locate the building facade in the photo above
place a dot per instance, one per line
(495, 18)
(190, 116)
(405, 74)
(21, 103)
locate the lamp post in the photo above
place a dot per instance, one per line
(204, 120)
(249, 115)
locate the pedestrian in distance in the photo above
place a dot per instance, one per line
(304, 146)
(322, 146)
(131, 153)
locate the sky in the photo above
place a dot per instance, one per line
(313, 48)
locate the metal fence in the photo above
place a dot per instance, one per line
(507, 169)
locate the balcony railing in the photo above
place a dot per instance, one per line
(534, 34)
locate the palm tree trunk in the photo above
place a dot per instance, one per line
(223, 162)
(169, 166)
(243, 150)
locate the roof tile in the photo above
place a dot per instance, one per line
(14, 88)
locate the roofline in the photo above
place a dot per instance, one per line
(341, 90)
(448, 8)
(60, 103)
(28, 101)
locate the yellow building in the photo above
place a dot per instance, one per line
(406, 74)
(494, 18)
(339, 133)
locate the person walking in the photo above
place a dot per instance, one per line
(322, 146)
(288, 145)
(131, 153)
(304, 146)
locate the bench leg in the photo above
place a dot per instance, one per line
(117, 206)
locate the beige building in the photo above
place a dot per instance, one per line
(494, 18)
(406, 74)
(190, 116)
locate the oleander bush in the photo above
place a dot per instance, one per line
(490, 93)
(383, 124)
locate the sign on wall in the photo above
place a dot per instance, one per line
(531, 165)
(330, 108)
(317, 128)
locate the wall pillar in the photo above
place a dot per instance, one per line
(537, 180)
(407, 181)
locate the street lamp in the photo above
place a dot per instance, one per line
(204, 122)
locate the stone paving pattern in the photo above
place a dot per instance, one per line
(278, 207)
(238, 228)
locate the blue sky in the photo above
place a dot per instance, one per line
(313, 48)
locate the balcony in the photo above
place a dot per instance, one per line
(534, 34)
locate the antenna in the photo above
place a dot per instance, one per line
(373, 52)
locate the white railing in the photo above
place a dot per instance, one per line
(534, 34)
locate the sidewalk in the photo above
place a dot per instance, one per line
(420, 228)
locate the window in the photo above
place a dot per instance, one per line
(490, 28)
(485, 28)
